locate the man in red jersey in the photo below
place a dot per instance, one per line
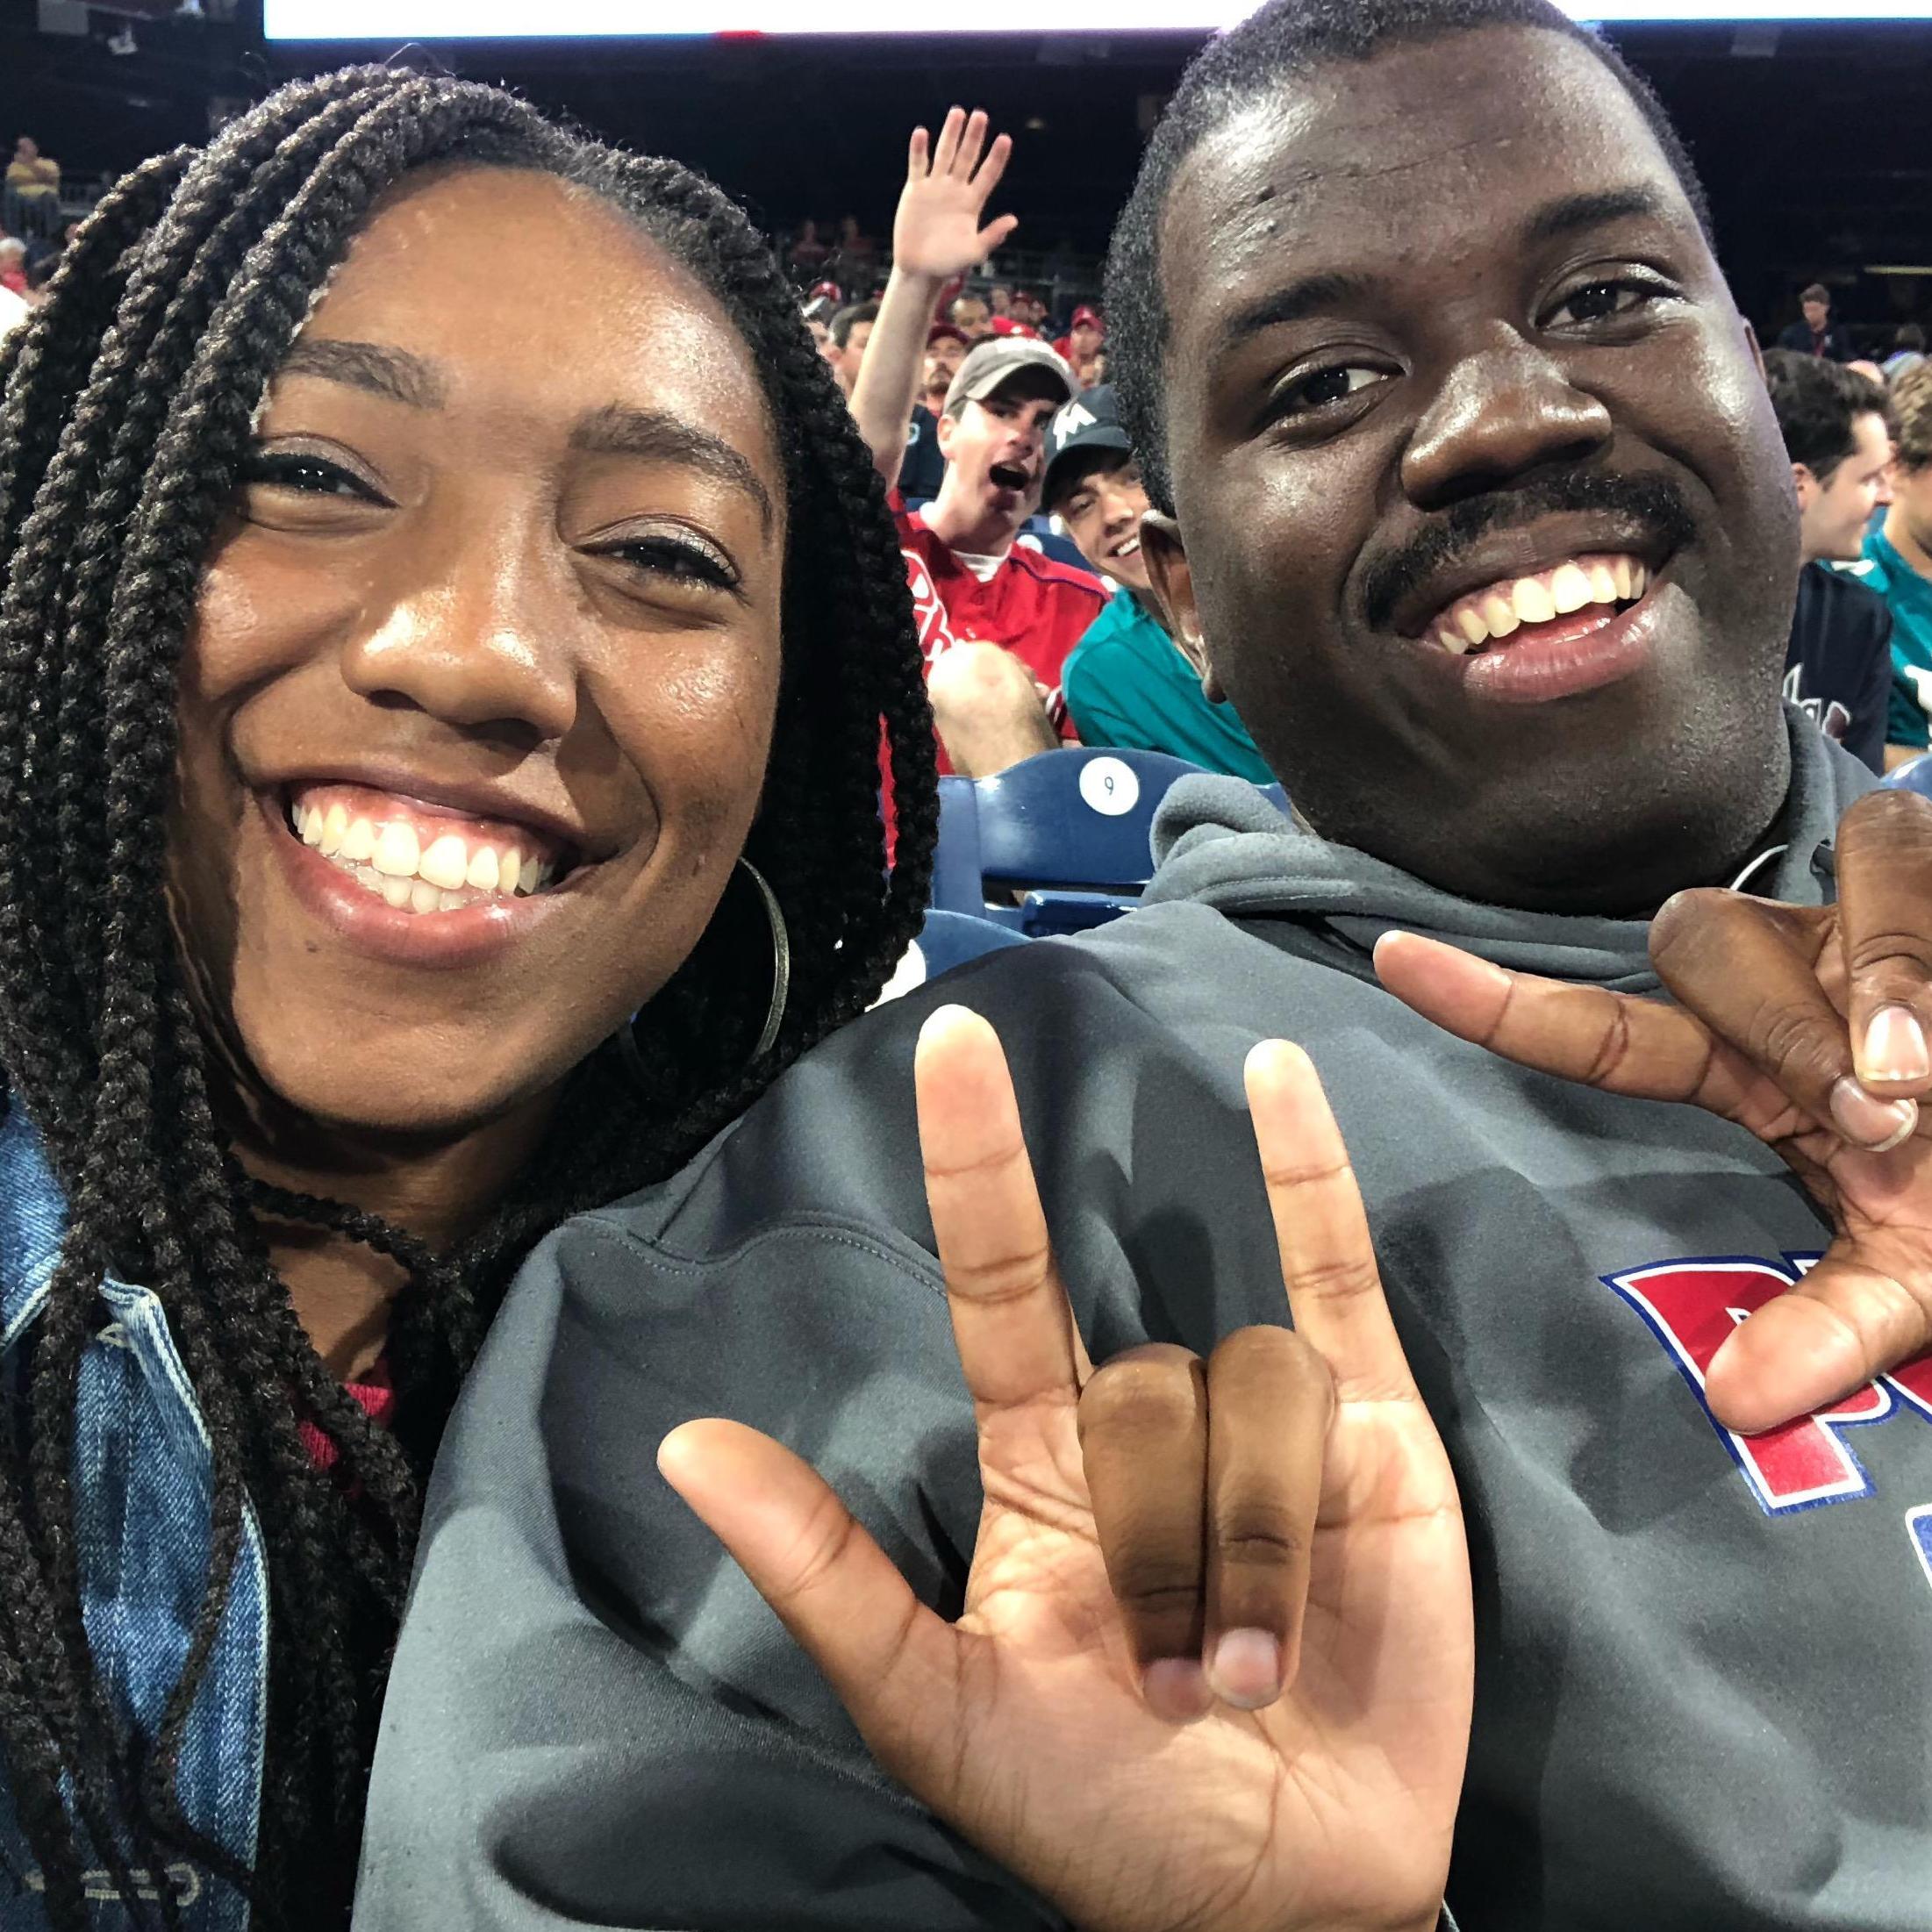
(997, 617)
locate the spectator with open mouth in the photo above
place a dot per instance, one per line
(997, 617)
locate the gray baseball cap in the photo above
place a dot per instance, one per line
(994, 360)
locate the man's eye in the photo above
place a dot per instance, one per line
(1599, 302)
(310, 475)
(1325, 387)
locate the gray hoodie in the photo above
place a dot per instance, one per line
(1705, 1668)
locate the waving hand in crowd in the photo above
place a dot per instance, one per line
(940, 232)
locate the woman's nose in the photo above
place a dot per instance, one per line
(478, 642)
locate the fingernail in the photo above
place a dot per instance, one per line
(1894, 1047)
(1175, 1688)
(1875, 1124)
(1245, 1669)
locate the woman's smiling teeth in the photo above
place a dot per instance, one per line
(419, 864)
(1598, 584)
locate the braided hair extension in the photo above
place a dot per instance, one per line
(125, 408)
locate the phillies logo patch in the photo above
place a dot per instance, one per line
(1692, 1305)
(935, 633)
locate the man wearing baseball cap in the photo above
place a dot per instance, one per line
(1084, 334)
(923, 469)
(997, 618)
(1130, 681)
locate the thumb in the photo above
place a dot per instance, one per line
(1815, 1344)
(888, 1656)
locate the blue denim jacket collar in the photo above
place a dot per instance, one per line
(33, 1220)
(142, 1518)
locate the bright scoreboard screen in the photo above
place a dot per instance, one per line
(551, 20)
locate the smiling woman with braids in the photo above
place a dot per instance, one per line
(391, 677)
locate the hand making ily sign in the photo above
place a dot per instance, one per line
(1215, 1663)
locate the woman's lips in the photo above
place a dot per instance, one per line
(472, 935)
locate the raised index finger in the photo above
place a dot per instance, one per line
(1016, 1335)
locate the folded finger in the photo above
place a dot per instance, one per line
(1143, 1441)
(1884, 930)
(1270, 1400)
(1015, 1333)
(1743, 968)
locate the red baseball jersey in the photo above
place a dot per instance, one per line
(1038, 609)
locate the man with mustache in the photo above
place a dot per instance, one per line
(997, 617)
(1466, 482)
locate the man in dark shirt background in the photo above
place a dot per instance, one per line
(1817, 334)
(1837, 432)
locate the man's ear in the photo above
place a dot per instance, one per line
(1754, 345)
(1807, 484)
(1173, 582)
(942, 430)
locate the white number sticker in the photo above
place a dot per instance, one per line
(1108, 784)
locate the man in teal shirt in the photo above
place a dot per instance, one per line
(1898, 564)
(1128, 681)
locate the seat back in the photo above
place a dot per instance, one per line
(946, 940)
(1077, 817)
(1915, 776)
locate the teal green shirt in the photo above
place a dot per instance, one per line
(1126, 683)
(1910, 596)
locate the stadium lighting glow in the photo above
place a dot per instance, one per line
(564, 19)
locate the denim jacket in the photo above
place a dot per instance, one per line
(141, 1499)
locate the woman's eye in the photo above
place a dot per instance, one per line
(673, 558)
(310, 475)
(1601, 301)
(1327, 387)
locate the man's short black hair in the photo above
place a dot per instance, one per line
(1816, 292)
(1818, 404)
(847, 319)
(1284, 40)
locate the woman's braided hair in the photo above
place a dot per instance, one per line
(126, 409)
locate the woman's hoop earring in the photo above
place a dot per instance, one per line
(781, 961)
(780, 983)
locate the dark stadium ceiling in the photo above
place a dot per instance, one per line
(1813, 138)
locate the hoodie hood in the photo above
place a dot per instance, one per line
(1218, 842)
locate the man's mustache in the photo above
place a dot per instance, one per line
(1653, 503)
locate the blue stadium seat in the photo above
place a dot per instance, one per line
(1071, 828)
(1060, 549)
(1915, 776)
(945, 940)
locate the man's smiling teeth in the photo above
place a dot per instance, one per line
(391, 860)
(1130, 548)
(1502, 608)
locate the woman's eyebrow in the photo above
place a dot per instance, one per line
(382, 371)
(656, 436)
